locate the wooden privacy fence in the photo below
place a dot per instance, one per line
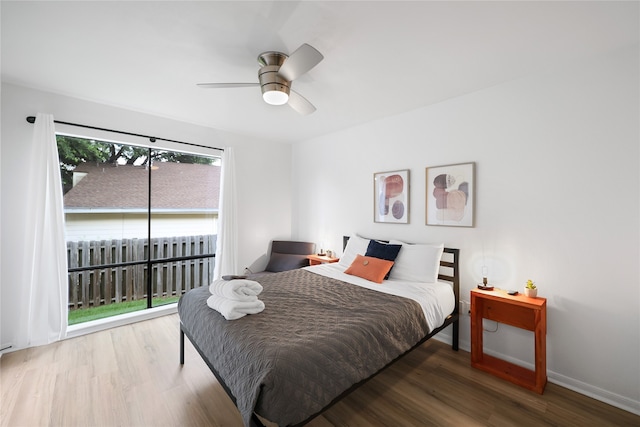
(107, 284)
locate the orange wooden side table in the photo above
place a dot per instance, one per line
(321, 259)
(515, 310)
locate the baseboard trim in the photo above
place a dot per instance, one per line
(578, 386)
(597, 393)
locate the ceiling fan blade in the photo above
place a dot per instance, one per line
(299, 62)
(226, 85)
(300, 103)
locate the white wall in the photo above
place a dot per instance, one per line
(557, 160)
(263, 213)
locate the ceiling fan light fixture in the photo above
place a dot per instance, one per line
(275, 93)
(275, 97)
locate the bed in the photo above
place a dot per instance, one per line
(323, 332)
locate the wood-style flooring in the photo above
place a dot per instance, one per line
(131, 376)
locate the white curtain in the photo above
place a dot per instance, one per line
(226, 246)
(46, 283)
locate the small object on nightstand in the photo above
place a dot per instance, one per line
(321, 259)
(512, 292)
(485, 286)
(530, 289)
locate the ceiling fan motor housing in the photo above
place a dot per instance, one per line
(270, 80)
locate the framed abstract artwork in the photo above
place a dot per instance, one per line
(450, 195)
(391, 197)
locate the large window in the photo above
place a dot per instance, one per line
(140, 225)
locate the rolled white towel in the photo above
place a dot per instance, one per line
(232, 310)
(236, 290)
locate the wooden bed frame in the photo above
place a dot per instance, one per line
(450, 264)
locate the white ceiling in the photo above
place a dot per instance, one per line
(381, 58)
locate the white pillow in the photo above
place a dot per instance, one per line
(355, 246)
(417, 263)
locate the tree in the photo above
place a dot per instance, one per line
(72, 151)
(177, 157)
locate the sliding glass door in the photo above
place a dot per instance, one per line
(185, 192)
(140, 225)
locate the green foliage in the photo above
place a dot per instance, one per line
(177, 157)
(72, 151)
(82, 315)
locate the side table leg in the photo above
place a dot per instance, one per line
(476, 330)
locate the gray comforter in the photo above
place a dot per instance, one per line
(315, 339)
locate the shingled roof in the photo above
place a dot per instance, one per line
(174, 186)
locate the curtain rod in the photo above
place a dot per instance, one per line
(32, 119)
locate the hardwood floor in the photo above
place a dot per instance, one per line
(131, 376)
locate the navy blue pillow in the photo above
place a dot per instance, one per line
(383, 251)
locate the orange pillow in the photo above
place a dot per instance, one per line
(370, 268)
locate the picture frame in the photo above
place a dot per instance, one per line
(391, 197)
(450, 195)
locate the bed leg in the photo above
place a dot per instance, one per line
(456, 335)
(181, 346)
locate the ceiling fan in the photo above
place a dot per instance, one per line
(276, 74)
